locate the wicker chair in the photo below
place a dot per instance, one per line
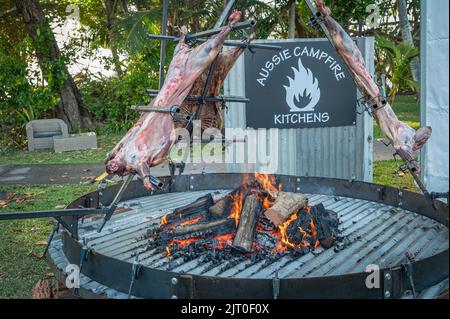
(40, 133)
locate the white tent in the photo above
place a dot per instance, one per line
(435, 92)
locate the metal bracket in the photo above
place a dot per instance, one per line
(408, 271)
(276, 286)
(84, 254)
(385, 144)
(316, 21)
(50, 238)
(369, 104)
(381, 193)
(135, 271)
(388, 284)
(72, 227)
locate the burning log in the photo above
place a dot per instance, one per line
(285, 205)
(327, 223)
(310, 227)
(202, 228)
(222, 207)
(202, 204)
(245, 234)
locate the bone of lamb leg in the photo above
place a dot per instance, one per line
(405, 140)
(148, 142)
(211, 116)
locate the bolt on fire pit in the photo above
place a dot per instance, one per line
(397, 230)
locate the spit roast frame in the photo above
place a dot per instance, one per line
(147, 282)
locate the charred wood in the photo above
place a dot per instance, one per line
(245, 234)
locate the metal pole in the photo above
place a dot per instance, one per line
(225, 13)
(163, 42)
(231, 43)
(238, 26)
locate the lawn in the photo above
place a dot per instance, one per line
(385, 173)
(407, 109)
(23, 242)
(105, 144)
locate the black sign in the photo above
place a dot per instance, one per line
(306, 84)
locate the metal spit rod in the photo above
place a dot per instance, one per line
(230, 43)
(220, 98)
(163, 42)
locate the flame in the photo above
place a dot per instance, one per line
(164, 219)
(313, 228)
(304, 86)
(236, 208)
(191, 221)
(267, 182)
(284, 240)
(224, 240)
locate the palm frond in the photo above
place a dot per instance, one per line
(132, 30)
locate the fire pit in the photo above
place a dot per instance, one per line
(397, 230)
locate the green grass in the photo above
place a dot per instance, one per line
(407, 109)
(22, 242)
(105, 144)
(385, 173)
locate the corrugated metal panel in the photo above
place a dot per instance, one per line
(337, 152)
(434, 92)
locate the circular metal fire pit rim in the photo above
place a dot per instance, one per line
(154, 283)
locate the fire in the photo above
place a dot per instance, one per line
(164, 219)
(236, 209)
(267, 182)
(191, 221)
(282, 233)
(283, 227)
(224, 240)
(266, 190)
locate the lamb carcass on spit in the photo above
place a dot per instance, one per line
(405, 140)
(211, 114)
(149, 141)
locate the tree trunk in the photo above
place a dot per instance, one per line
(110, 10)
(407, 36)
(292, 14)
(70, 107)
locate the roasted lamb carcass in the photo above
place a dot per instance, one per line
(405, 140)
(149, 141)
(211, 114)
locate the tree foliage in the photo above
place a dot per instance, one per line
(25, 94)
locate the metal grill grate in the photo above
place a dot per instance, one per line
(377, 234)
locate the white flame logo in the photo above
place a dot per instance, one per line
(303, 90)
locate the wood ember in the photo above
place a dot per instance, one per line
(245, 234)
(206, 228)
(201, 227)
(285, 205)
(326, 223)
(312, 226)
(202, 204)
